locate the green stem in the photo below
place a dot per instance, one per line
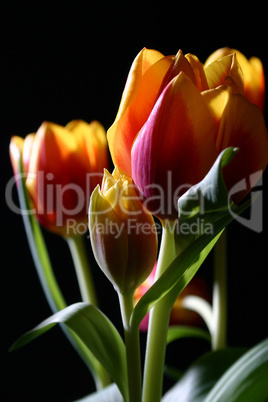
(202, 307)
(219, 303)
(81, 264)
(87, 289)
(132, 348)
(158, 325)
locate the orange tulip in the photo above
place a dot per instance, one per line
(62, 166)
(122, 232)
(172, 124)
(179, 314)
(254, 80)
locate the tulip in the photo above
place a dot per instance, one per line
(62, 166)
(175, 147)
(172, 124)
(254, 80)
(122, 232)
(179, 314)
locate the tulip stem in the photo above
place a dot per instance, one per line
(132, 343)
(158, 325)
(219, 302)
(87, 289)
(82, 268)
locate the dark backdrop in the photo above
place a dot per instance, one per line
(62, 64)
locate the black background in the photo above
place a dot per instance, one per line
(59, 64)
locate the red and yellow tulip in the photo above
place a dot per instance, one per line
(176, 115)
(122, 232)
(62, 166)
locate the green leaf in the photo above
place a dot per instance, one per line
(246, 380)
(180, 331)
(210, 196)
(198, 380)
(108, 394)
(38, 247)
(96, 331)
(179, 273)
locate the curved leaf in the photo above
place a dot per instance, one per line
(179, 273)
(180, 331)
(246, 380)
(210, 196)
(198, 380)
(38, 247)
(96, 331)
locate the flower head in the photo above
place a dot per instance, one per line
(176, 116)
(122, 232)
(62, 166)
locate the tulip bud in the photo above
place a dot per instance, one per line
(62, 166)
(123, 234)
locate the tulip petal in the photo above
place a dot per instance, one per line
(92, 139)
(108, 181)
(108, 238)
(139, 96)
(144, 60)
(52, 143)
(218, 54)
(15, 150)
(177, 138)
(241, 125)
(254, 80)
(255, 83)
(198, 70)
(142, 249)
(179, 63)
(27, 151)
(216, 100)
(228, 66)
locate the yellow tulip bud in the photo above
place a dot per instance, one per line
(123, 234)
